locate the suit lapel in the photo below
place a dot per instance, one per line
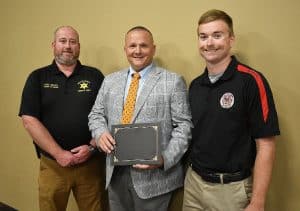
(119, 99)
(149, 84)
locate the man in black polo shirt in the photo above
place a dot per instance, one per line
(56, 101)
(235, 124)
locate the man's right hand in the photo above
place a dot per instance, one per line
(106, 142)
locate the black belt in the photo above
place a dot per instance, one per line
(222, 178)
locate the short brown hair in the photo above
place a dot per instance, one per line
(213, 15)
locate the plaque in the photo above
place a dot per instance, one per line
(136, 143)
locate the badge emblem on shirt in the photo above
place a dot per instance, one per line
(227, 100)
(84, 86)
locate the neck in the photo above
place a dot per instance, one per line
(66, 69)
(216, 68)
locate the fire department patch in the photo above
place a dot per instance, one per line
(227, 100)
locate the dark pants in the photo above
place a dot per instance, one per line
(123, 197)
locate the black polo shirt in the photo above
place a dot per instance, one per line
(228, 116)
(62, 103)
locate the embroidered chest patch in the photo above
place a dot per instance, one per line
(227, 100)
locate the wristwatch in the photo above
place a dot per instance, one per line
(92, 149)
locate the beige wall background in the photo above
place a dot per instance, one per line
(267, 38)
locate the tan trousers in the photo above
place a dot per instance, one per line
(200, 195)
(86, 181)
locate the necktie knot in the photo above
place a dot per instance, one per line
(136, 76)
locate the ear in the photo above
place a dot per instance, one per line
(232, 40)
(154, 49)
(53, 44)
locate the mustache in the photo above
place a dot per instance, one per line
(67, 51)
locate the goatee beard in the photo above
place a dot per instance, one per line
(67, 62)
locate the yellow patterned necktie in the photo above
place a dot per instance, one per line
(130, 99)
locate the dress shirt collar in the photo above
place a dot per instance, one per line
(143, 72)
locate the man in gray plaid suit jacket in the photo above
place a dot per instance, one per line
(161, 97)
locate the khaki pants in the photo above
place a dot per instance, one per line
(86, 181)
(200, 195)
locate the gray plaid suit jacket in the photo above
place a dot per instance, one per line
(163, 99)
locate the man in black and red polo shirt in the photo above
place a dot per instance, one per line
(235, 124)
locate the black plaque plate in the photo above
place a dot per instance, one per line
(136, 143)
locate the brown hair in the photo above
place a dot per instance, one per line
(213, 15)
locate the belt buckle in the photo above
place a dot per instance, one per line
(221, 178)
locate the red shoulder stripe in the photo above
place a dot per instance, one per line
(261, 88)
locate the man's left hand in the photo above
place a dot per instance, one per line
(82, 153)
